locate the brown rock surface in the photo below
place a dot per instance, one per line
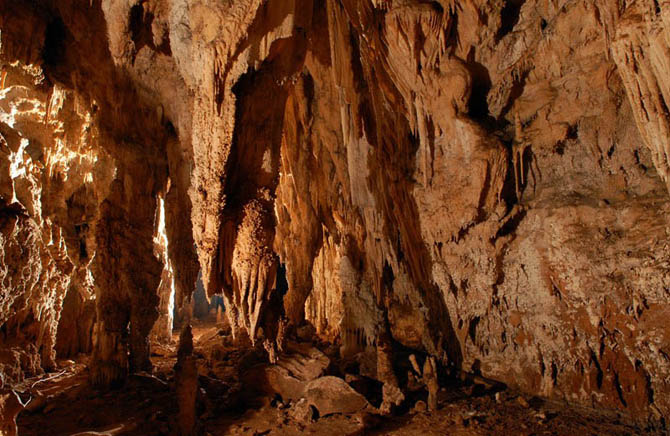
(10, 406)
(333, 395)
(291, 374)
(487, 182)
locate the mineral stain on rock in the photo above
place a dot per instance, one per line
(409, 216)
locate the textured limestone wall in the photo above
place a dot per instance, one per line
(483, 181)
(48, 200)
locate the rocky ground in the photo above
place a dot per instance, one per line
(63, 403)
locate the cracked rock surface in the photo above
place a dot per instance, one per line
(482, 184)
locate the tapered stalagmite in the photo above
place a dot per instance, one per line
(392, 395)
(186, 377)
(430, 379)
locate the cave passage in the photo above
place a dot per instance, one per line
(334, 217)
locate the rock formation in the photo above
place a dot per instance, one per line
(186, 377)
(485, 183)
(10, 406)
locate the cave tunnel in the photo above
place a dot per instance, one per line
(334, 217)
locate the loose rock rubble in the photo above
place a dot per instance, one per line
(153, 405)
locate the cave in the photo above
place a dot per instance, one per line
(334, 217)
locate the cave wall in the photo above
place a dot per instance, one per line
(483, 181)
(48, 202)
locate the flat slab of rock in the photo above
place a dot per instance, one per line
(305, 361)
(333, 395)
(291, 374)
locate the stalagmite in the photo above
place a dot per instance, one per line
(392, 395)
(430, 379)
(186, 377)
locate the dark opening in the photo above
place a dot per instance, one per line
(53, 51)
(478, 106)
(140, 23)
(509, 17)
(282, 282)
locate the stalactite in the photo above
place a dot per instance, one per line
(343, 163)
(518, 149)
(640, 51)
(253, 267)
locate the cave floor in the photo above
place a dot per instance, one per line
(64, 404)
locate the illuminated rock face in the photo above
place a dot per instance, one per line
(52, 174)
(482, 181)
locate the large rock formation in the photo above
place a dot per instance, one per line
(486, 182)
(49, 201)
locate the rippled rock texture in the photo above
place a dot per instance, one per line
(484, 182)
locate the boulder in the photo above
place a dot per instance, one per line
(289, 376)
(333, 395)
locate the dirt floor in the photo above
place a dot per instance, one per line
(64, 404)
